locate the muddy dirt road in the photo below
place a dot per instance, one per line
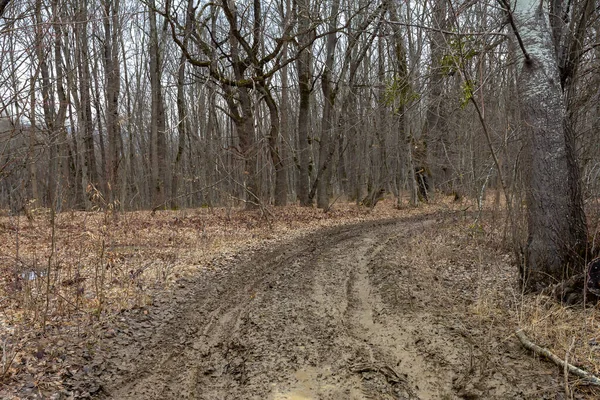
(340, 314)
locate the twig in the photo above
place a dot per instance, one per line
(331, 205)
(446, 32)
(8, 361)
(566, 370)
(509, 14)
(3, 5)
(529, 345)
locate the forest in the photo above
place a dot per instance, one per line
(146, 143)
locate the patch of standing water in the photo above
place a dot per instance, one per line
(32, 275)
(312, 383)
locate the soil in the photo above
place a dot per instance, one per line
(358, 311)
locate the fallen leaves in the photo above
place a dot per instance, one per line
(105, 263)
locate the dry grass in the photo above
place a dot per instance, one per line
(570, 332)
(104, 263)
(477, 261)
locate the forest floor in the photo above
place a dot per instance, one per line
(288, 304)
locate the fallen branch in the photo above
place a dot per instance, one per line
(331, 205)
(529, 345)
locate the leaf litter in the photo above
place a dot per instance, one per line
(114, 280)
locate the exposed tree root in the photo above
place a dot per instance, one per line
(529, 345)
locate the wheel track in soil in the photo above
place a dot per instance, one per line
(308, 319)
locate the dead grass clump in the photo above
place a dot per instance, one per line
(557, 327)
(571, 333)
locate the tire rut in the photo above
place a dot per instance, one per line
(309, 319)
(204, 342)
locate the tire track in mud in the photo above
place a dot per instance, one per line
(200, 352)
(310, 319)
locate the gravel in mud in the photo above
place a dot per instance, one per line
(339, 314)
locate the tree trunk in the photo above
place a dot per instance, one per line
(89, 165)
(274, 150)
(284, 130)
(63, 153)
(327, 86)
(304, 67)
(434, 136)
(112, 90)
(405, 92)
(182, 123)
(31, 155)
(49, 106)
(158, 124)
(552, 245)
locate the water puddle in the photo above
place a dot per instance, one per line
(312, 384)
(32, 275)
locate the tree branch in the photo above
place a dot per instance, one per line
(506, 5)
(446, 32)
(529, 345)
(3, 4)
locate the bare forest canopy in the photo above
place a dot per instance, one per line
(183, 104)
(188, 103)
(168, 104)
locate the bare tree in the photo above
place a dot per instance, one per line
(158, 121)
(182, 111)
(555, 215)
(402, 93)
(88, 162)
(112, 78)
(304, 67)
(352, 57)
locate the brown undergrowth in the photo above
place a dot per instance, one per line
(103, 263)
(53, 297)
(476, 257)
(570, 332)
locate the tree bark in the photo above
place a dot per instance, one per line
(434, 136)
(304, 67)
(113, 87)
(182, 119)
(327, 121)
(285, 131)
(32, 144)
(49, 107)
(405, 91)
(89, 164)
(552, 245)
(274, 150)
(158, 124)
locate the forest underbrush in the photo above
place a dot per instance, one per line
(65, 286)
(102, 263)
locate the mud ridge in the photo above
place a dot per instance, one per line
(336, 314)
